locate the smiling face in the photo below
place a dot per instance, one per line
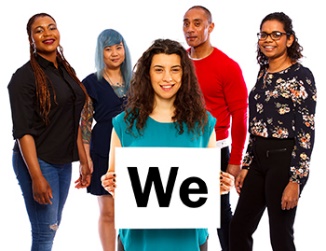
(274, 48)
(45, 36)
(114, 56)
(166, 76)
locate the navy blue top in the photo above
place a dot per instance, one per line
(106, 105)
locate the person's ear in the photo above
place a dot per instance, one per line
(290, 41)
(211, 27)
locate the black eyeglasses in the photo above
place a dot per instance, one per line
(275, 35)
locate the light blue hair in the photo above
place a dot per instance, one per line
(107, 38)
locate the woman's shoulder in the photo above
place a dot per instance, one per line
(211, 121)
(301, 69)
(119, 124)
(90, 78)
(303, 73)
(119, 118)
(25, 68)
(91, 82)
(23, 75)
(211, 118)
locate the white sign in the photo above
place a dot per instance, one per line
(163, 187)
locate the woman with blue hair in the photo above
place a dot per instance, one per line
(107, 88)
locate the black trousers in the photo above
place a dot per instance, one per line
(263, 187)
(226, 212)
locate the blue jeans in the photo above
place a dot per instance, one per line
(44, 219)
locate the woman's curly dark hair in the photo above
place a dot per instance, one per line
(294, 51)
(189, 103)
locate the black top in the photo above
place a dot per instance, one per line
(282, 105)
(56, 143)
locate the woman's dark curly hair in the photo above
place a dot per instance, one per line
(189, 103)
(294, 51)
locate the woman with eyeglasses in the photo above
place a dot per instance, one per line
(281, 126)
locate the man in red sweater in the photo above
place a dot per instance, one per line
(226, 97)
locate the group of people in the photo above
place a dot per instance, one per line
(195, 97)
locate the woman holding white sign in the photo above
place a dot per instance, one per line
(165, 109)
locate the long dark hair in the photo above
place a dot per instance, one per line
(294, 51)
(41, 80)
(189, 102)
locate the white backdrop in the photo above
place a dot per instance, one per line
(140, 22)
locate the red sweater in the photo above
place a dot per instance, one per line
(226, 97)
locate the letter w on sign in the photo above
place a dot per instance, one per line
(154, 177)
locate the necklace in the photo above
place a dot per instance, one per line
(119, 88)
(118, 84)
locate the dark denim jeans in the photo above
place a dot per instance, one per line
(44, 219)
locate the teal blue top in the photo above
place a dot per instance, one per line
(157, 134)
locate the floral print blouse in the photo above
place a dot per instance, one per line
(282, 105)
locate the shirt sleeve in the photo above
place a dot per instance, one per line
(22, 96)
(248, 157)
(304, 98)
(238, 106)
